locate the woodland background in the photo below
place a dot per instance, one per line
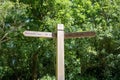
(25, 58)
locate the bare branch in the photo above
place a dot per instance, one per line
(5, 35)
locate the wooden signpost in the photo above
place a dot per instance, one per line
(60, 35)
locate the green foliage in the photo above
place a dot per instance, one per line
(26, 58)
(47, 77)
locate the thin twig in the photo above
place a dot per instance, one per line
(4, 36)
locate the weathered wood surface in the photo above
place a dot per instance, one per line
(60, 53)
(80, 34)
(38, 34)
(54, 35)
(76, 34)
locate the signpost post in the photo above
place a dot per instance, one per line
(60, 35)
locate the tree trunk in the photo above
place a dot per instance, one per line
(34, 66)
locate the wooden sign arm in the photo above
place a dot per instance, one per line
(76, 34)
(79, 34)
(38, 34)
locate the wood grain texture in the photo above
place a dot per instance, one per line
(76, 34)
(60, 52)
(80, 34)
(54, 35)
(38, 34)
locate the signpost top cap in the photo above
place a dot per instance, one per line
(60, 27)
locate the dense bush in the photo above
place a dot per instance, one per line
(96, 58)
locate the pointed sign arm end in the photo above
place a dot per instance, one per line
(24, 33)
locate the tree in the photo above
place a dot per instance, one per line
(34, 58)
